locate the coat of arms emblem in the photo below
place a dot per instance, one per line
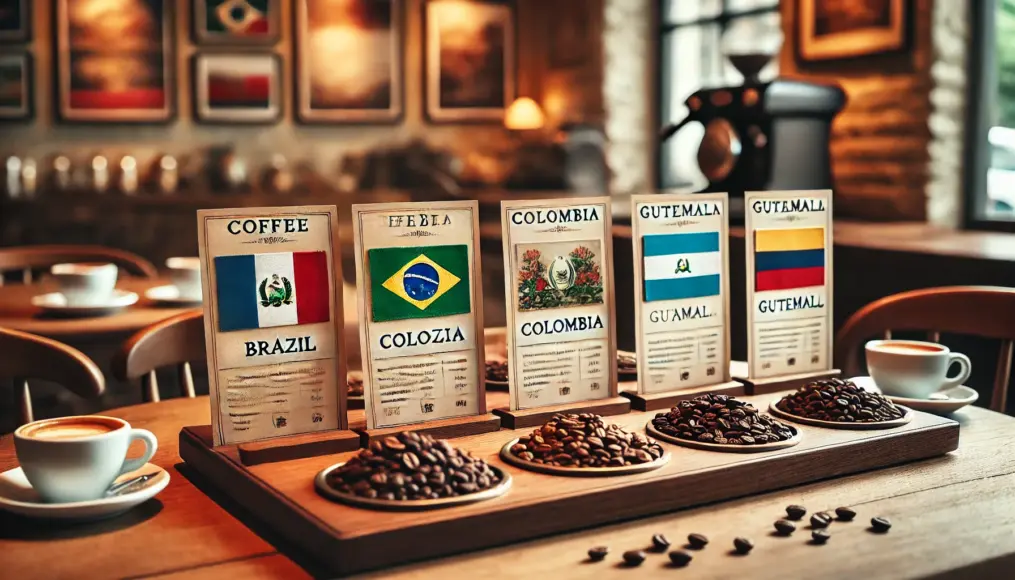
(277, 292)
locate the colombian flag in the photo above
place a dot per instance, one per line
(788, 259)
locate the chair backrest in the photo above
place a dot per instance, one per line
(25, 259)
(174, 341)
(982, 311)
(24, 356)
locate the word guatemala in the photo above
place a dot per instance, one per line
(421, 337)
(562, 325)
(556, 216)
(679, 314)
(788, 304)
(678, 210)
(280, 346)
(268, 226)
(787, 205)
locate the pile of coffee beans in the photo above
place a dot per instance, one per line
(410, 466)
(723, 420)
(355, 386)
(497, 370)
(839, 401)
(585, 440)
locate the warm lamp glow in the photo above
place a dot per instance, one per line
(524, 114)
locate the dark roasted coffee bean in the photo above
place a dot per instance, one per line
(660, 543)
(820, 520)
(585, 440)
(881, 524)
(634, 557)
(743, 545)
(680, 558)
(841, 402)
(820, 536)
(784, 527)
(697, 541)
(845, 514)
(598, 553)
(795, 512)
(705, 419)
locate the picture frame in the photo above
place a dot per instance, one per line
(236, 22)
(115, 70)
(474, 93)
(846, 30)
(237, 88)
(15, 21)
(17, 97)
(371, 91)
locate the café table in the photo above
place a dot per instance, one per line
(952, 516)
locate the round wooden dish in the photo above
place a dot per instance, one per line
(906, 418)
(321, 483)
(508, 457)
(725, 448)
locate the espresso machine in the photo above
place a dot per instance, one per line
(762, 136)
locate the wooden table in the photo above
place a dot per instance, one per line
(952, 515)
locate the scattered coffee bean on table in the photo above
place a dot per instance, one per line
(598, 553)
(410, 466)
(880, 524)
(634, 557)
(722, 420)
(784, 527)
(796, 512)
(680, 558)
(839, 401)
(660, 543)
(585, 440)
(496, 370)
(697, 541)
(821, 520)
(743, 545)
(845, 514)
(820, 536)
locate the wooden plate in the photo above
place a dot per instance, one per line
(650, 428)
(906, 418)
(321, 483)
(508, 457)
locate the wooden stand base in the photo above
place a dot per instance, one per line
(442, 429)
(296, 446)
(656, 401)
(523, 418)
(785, 382)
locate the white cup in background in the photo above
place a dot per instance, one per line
(914, 369)
(185, 274)
(85, 284)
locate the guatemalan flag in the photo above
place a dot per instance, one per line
(680, 266)
(265, 290)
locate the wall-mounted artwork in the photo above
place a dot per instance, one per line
(237, 21)
(834, 29)
(349, 61)
(15, 87)
(114, 60)
(237, 88)
(15, 21)
(470, 59)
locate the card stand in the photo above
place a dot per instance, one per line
(293, 446)
(656, 401)
(535, 417)
(784, 382)
(439, 429)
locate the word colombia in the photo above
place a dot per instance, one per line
(562, 215)
(562, 325)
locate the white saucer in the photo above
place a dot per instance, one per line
(56, 303)
(942, 403)
(17, 496)
(169, 295)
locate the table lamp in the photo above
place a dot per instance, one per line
(524, 115)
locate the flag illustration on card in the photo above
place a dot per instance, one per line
(240, 82)
(788, 259)
(419, 282)
(265, 290)
(678, 266)
(237, 17)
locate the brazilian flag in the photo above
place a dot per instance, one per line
(419, 282)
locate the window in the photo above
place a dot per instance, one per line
(694, 37)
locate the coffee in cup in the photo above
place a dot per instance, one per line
(71, 459)
(185, 274)
(914, 369)
(85, 284)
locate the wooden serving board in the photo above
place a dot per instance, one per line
(347, 540)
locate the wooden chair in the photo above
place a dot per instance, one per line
(26, 259)
(982, 311)
(24, 356)
(175, 341)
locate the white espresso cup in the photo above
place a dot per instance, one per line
(71, 459)
(85, 284)
(185, 274)
(914, 369)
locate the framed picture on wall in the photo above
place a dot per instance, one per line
(349, 61)
(15, 21)
(16, 98)
(237, 22)
(237, 88)
(114, 61)
(470, 59)
(831, 30)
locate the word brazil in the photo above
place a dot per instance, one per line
(556, 216)
(562, 325)
(421, 220)
(268, 226)
(787, 304)
(679, 210)
(679, 314)
(422, 337)
(788, 205)
(280, 346)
